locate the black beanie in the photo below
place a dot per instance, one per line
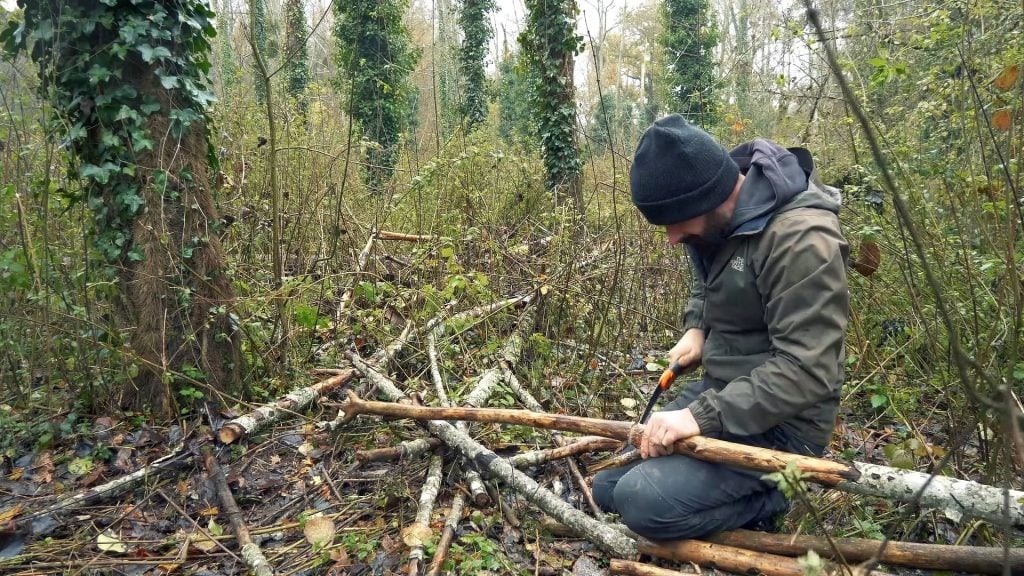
(679, 172)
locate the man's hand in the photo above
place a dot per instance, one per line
(687, 352)
(664, 429)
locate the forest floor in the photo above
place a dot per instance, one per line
(287, 479)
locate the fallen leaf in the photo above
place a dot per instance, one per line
(16, 474)
(202, 543)
(1007, 78)
(43, 472)
(1002, 119)
(340, 557)
(628, 403)
(92, 477)
(10, 513)
(319, 530)
(108, 542)
(416, 535)
(214, 528)
(209, 511)
(168, 568)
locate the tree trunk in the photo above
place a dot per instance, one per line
(177, 298)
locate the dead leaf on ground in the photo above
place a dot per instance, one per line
(319, 530)
(10, 513)
(416, 535)
(43, 472)
(109, 542)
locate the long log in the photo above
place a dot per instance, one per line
(955, 497)
(818, 470)
(630, 568)
(727, 558)
(969, 559)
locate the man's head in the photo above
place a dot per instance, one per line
(684, 180)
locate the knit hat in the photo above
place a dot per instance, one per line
(679, 172)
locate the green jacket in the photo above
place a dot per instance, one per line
(773, 303)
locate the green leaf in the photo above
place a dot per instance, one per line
(98, 74)
(43, 30)
(879, 400)
(168, 82)
(101, 174)
(305, 316)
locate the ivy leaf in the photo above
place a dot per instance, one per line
(98, 74)
(168, 82)
(101, 174)
(132, 202)
(149, 106)
(44, 30)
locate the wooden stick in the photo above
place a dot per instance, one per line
(448, 536)
(727, 558)
(346, 297)
(567, 450)
(969, 559)
(605, 537)
(420, 529)
(299, 399)
(251, 553)
(818, 470)
(385, 235)
(630, 568)
(404, 451)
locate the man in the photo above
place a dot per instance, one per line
(766, 319)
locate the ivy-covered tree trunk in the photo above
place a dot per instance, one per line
(550, 44)
(689, 36)
(476, 33)
(376, 57)
(127, 81)
(297, 65)
(259, 36)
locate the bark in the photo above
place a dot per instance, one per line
(404, 451)
(119, 486)
(168, 334)
(969, 559)
(450, 525)
(566, 450)
(251, 553)
(364, 255)
(819, 470)
(955, 497)
(630, 568)
(298, 400)
(420, 529)
(602, 535)
(726, 558)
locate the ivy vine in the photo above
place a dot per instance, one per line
(476, 33)
(96, 105)
(688, 39)
(550, 44)
(377, 57)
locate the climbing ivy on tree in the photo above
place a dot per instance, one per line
(127, 83)
(688, 38)
(259, 35)
(476, 33)
(297, 65)
(376, 57)
(550, 44)
(514, 86)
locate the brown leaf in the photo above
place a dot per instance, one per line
(319, 530)
(44, 468)
(416, 535)
(93, 476)
(868, 258)
(1002, 119)
(10, 513)
(1007, 78)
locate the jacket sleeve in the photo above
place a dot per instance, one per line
(802, 281)
(693, 313)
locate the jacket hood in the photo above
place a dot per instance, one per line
(773, 177)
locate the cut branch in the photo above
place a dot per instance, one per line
(298, 400)
(818, 470)
(450, 525)
(420, 529)
(605, 537)
(969, 559)
(566, 450)
(630, 568)
(364, 255)
(385, 235)
(251, 553)
(404, 451)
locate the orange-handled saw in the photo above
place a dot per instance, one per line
(667, 377)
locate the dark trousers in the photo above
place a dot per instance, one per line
(675, 497)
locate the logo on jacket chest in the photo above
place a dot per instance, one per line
(737, 263)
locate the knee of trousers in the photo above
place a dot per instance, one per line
(603, 489)
(647, 512)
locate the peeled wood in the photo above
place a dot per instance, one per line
(817, 469)
(448, 535)
(727, 558)
(630, 568)
(404, 451)
(969, 559)
(568, 450)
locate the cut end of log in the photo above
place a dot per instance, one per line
(229, 433)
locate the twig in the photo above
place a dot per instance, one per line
(385, 235)
(360, 264)
(251, 554)
(195, 524)
(567, 450)
(448, 535)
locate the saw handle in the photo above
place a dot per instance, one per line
(671, 373)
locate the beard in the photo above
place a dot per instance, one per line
(717, 229)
